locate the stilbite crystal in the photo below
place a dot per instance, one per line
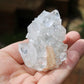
(45, 49)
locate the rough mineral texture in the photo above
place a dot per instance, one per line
(45, 49)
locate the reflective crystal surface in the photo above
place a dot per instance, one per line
(45, 49)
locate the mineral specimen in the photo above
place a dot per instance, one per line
(45, 49)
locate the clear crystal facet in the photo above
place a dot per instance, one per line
(45, 49)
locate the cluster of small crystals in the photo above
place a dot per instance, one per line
(45, 30)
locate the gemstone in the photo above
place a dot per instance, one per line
(45, 49)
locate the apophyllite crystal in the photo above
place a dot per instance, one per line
(45, 49)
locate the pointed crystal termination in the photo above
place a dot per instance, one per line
(45, 49)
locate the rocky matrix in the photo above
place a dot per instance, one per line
(45, 49)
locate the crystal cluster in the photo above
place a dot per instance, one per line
(45, 49)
